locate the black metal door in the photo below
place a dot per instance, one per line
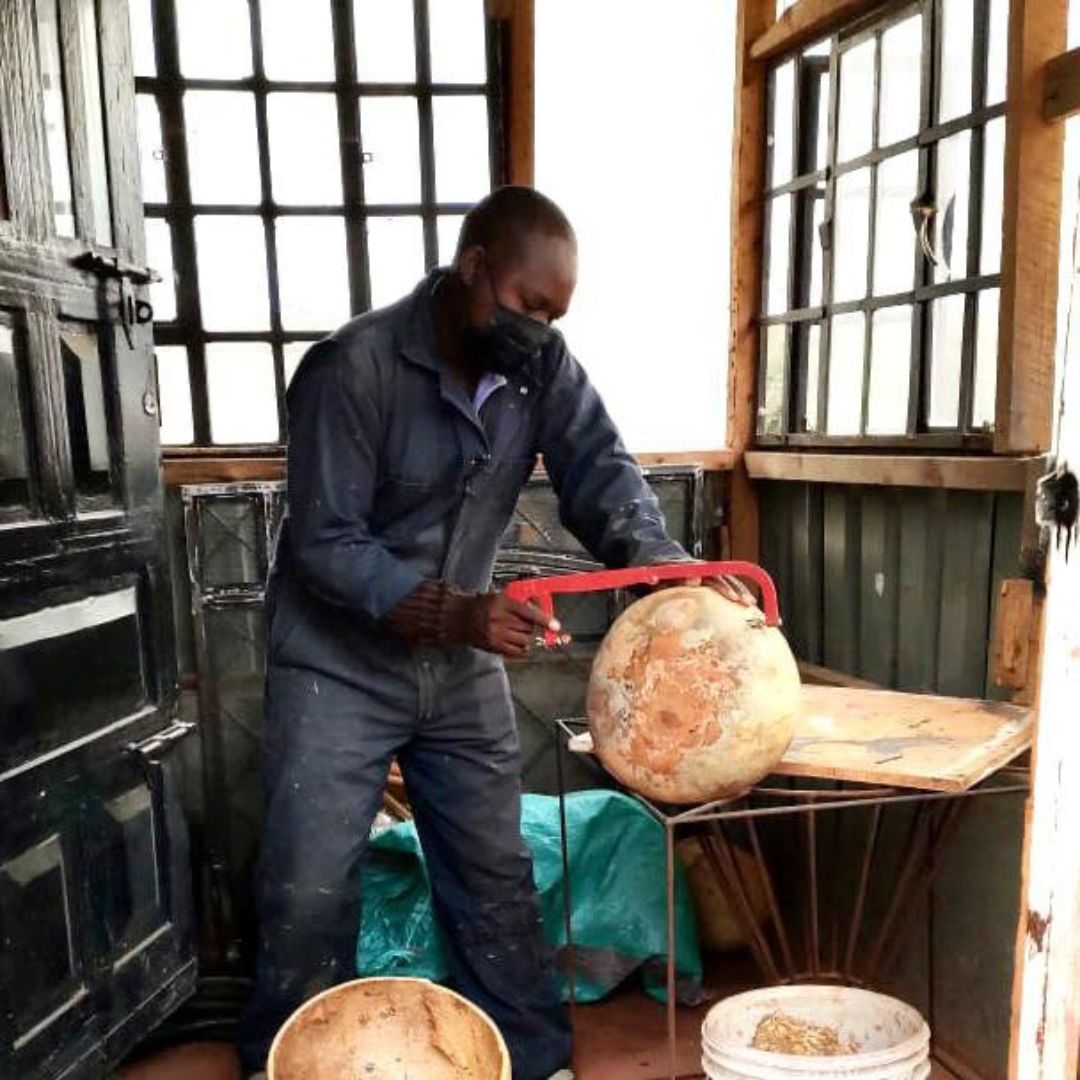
(95, 942)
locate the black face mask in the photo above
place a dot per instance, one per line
(507, 343)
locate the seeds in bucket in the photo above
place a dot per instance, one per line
(783, 1034)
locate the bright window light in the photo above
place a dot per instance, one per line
(633, 140)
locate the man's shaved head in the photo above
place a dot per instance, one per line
(517, 252)
(504, 222)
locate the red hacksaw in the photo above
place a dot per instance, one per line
(541, 590)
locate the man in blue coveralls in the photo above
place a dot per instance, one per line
(411, 432)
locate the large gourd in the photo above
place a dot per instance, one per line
(692, 697)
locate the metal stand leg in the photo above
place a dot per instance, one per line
(672, 1020)
(721, 855)
(564, 838)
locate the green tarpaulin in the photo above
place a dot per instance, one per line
(617, 884)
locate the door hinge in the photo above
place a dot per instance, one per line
(150, 748)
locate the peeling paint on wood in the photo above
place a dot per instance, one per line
(1036, 928)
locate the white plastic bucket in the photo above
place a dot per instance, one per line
(893, 1038)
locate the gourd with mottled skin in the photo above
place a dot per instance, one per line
(692, 697)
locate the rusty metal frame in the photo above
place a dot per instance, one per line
(937, 817)
(267, 498)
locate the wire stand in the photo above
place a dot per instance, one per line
(935, 821)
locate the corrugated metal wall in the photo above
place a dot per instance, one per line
(895, 585)
(898, 585)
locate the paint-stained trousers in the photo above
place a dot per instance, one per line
(447, 717)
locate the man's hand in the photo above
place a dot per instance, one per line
(437, 614)
(495, 623)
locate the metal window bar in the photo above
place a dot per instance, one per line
(871, 244)
(269, 230)
(168, 86)
(930, 134)
(178, 189)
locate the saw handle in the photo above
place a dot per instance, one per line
(541, 590)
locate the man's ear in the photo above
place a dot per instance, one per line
(470, 263)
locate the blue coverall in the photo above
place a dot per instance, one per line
(393, 478)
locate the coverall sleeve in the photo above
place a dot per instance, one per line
(603, 497)
(334, 431)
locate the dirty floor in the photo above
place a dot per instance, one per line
(623, 1038)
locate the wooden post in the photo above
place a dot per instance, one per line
(747, 234)
(1046, 987)
(1034, 150)
(518, 18)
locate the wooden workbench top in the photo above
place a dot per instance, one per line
(905, 740)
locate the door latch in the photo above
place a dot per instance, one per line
(1057, 504)
(133, 311)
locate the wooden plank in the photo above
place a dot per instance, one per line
(1012, 633)
(25, 161)
(807, 21)
(76, 107)
(1061, 86)
(747, 236)
(892, 739)
(711, 460)
(221, 470)
(908, 740)
(894, 470)
(1006, 562)
(1034, 151)
(518, 21)
(121, 129)
(182, 468)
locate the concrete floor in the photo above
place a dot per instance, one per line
(623, 1038)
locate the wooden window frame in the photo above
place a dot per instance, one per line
(1028, 277)
(1043, 85)
(796, 316)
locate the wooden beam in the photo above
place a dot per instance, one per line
(747, 238)
(205, 469)
(957, 473)
(517, 20)
(1012, 633)
(710, 460)
(1061, 86)
(1034, 155)
(807, 21)
(221, 470)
